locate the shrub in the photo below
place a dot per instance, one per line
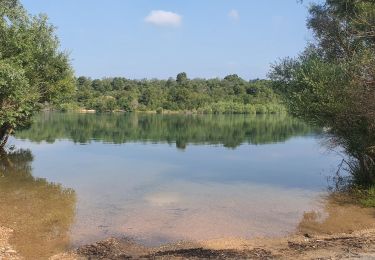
(261, 109)
(250, 109)
(159, 110)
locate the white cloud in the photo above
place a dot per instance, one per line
(164, 18)
(234, 15)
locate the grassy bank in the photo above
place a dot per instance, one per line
(365, 196)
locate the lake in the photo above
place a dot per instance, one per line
(76, 178)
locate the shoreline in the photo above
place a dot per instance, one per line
(356, 244)
(337, 246)
(163, 112)
(346, 231)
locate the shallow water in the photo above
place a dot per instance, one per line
(160, 178)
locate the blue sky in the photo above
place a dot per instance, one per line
(160, 38)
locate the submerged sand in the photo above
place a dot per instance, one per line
(343, 231)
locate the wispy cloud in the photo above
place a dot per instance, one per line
(234, 15)
(164, 18)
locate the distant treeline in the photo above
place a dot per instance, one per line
(227, 130)
(229, 95)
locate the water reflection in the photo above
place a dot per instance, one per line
(228, 130)
(41, 213)
(338, 213)
(130, 181)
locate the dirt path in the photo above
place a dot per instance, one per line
(358, 245)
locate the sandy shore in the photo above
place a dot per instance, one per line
(6, 250)
(356, 245)
(359, 245)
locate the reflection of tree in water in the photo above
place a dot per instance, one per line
(339, 214)
(39, 212)
(228, 130)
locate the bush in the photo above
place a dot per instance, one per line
(159, 110)
(205, 110)
(218, 108)
(250, 109)
(368, 199)
(261, 109)
(68, 107)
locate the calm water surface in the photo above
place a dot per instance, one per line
(80, 178)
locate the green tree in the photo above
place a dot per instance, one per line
(332, 83)
(32, 69)
(181, 78)
(194, 95)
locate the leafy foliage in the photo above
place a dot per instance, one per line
(332, 83)
(32, 69)
(230, 95)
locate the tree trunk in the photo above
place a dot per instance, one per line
(366, 170)
(5, 162)
(5, 131)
